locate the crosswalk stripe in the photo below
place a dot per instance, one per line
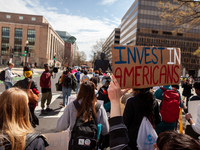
(38, 108)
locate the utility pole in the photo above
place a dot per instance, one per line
(26, 50)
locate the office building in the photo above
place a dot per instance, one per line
(142, 26)
(114, 38)
(20, 30)
(69, 49)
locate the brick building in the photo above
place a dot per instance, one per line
(17, 29)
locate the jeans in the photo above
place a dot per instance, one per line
(78, 87)
(8, 85)
(66, 93)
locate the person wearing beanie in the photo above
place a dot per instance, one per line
(23, 84)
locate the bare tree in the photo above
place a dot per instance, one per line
(97, 48)
(182, 14)
(79, 58)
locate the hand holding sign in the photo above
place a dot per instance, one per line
(142, 67)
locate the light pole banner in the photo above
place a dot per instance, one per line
(142, 67)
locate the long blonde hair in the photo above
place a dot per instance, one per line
(14, 117)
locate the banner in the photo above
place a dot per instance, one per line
(142, 67)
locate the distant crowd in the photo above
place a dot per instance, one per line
(149, 120)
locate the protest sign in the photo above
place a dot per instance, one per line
(58, 141)
(142, 67)
(192, 108)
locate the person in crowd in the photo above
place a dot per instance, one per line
(78, 74)
(85, 77)
(87, 99)
(100, 72)
(187, 91)
(127, 96)
(45, 84)
(66, 81)
(14, 122)
(138, 106)
(9, 76)
(95, 81)
(193, 129)
(23, 84)
(169, 140)
(103, 93)
(197, 91)
(191, 81)
(106, 75)
(96, 74)
(163, 126)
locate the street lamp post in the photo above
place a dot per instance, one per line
(26, 53)
(94, 59)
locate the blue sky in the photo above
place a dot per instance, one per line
(87, 20)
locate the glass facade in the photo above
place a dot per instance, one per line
(31, 40)
(18, 43)
(5, 41)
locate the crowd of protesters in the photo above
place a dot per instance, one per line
(117, 131)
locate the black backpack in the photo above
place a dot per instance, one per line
(3, 75)
(84, 134)
(67, 81)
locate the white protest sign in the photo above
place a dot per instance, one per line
(57, 141)
(192, 108)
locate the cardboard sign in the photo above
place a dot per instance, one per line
(142, 67)
(58, 141)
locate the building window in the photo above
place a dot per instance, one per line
(5, 41)
(33, 19)
(154, 31)
(18, 42)
(31, 39)
(21, 17)
(8, 16)
(167, 33)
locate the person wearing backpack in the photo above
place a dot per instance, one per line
(66, 81)
(84, 113)
(85, 77)
(7, 80)
(16, 130)
(143, 104)
(23, 84)
(169, 108)
(77, 74)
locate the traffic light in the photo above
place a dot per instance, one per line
(54, 57)
(25, 50)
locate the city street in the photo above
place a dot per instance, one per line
(47, 123)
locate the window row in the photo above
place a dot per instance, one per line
(169, 42)
(21, 17)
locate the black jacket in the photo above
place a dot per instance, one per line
(23, 84)
(186, 89)
(133, 115)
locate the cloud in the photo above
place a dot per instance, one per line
(108, 2)
(52, 8)
(66, 10)
(87, 31)
(105, 10)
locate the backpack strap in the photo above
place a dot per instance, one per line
(163, 89)
(30, 138)
(97, 106)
